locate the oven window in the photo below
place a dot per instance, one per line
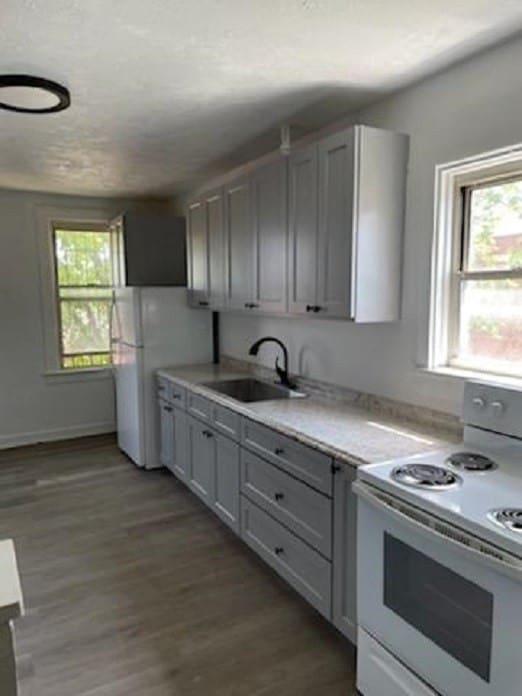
(456, 614)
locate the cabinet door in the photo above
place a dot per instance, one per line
(240, 250)
(336, 194)
(303, 227)
(216, 247)
(197, 254)
(180, 444)
(166, 434)
(268, 186)
(226, 481)
(345, 553)
(200, 460)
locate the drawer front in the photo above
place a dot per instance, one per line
(226, 421)
(163, 388)
(312, 467)
(178, 395)
(305, 511)
(199, 406)
(302, 567)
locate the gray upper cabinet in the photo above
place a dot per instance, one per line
(206, 250)
(317, 234)
(268, 187)
(346, 220)
(303, 230)
(240, 244)
(335, 233)
(197, 254)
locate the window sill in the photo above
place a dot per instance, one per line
(87, 374)
(464, 374)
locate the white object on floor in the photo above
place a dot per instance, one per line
(11, 607)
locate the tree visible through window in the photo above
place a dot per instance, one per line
(490, 278)
(84, 288)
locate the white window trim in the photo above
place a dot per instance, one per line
(449, 179)
(47, 218)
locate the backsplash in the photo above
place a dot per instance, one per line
(375, 404)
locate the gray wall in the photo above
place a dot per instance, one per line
(471, 108)
(35, 407)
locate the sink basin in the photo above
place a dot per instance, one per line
(249, 390)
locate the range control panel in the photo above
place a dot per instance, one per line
(496, 408)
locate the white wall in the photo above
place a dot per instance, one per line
(471, 108)
(35, 407)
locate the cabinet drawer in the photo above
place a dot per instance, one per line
(305, 511)
(178, 395)
(163, 388)
(199, 406)
(226, 421)
(306, 570)
(312, 467)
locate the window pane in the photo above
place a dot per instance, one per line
(84, 293)
(88, 360)
(83, 257)
(495, 234)
(85, 326)
(491, 325)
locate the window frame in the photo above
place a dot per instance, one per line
(47, 219)
(454, 183)
(75, 227)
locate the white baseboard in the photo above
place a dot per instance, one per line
(37, 436)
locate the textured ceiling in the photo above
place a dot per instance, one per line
(166, 92)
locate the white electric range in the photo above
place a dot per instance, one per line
(440, 561)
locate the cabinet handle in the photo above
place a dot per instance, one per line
(278, 550)
(279, 451)
(248, 305)
(207, 433)
(167, 408)
(279, 496)
(161, 388)
(176, 396)
(253, 305)
(335, 468)
(203, 303)
(313, 308)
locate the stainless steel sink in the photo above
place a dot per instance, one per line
(249, 390)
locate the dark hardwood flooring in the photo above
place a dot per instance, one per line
(132, 587)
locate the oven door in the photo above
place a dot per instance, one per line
(438, 600)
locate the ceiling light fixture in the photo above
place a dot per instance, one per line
(32, 95)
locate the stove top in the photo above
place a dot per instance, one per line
(476, 486)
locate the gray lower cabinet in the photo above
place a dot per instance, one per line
(226, 481)
(302, 567)
(180, 467)
(200, 455)
(345, 553)
(213, 470)
(166, 434)
(303, 510)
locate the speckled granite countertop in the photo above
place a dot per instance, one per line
(340, 429)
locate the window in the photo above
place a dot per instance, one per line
(476, 321)
(83, 281)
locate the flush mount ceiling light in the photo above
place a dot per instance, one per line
(32, 95)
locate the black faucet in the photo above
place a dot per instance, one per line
(282, 372)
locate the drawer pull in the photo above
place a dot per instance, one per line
(279, 496)
(278, 550)
(279, 451)
(176, 396)
(161, 388)
(167, 408)
(207, 433)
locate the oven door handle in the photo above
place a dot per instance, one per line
(483, 553)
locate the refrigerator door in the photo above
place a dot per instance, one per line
(169, 323)
(126, 317)
(128, 370)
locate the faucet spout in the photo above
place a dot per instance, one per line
(282, 372)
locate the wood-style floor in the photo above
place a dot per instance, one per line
(133, 588)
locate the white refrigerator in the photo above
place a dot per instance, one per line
(151, 328)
